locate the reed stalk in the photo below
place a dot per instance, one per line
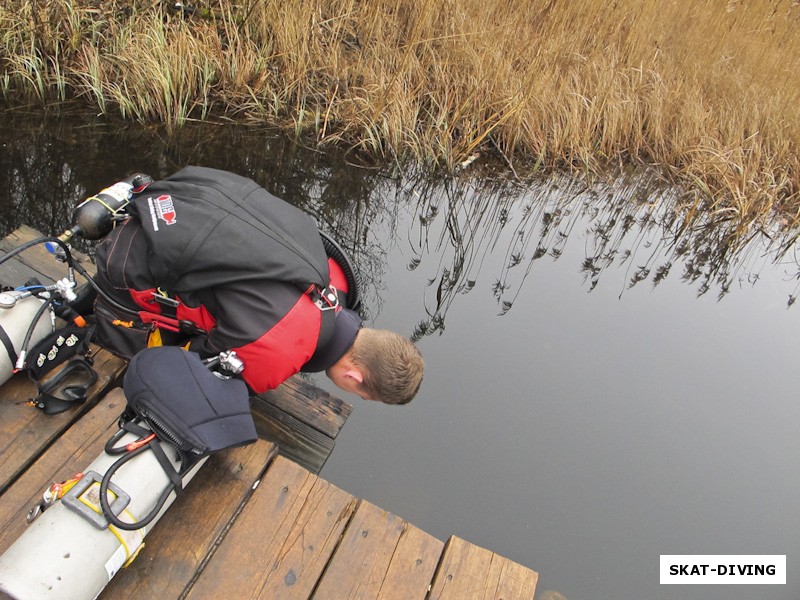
(707, 89)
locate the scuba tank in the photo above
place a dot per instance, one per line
(96, 216)
(16, 324)
(69, 550)
(93, 218)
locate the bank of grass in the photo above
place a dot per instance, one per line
(708, 89)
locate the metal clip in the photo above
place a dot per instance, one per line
(37, 510)
(229, 361)
(50, 495)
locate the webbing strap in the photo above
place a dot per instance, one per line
(170, 471)
(9, 345)
(167, 323)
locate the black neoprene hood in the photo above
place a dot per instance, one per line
(344, 334)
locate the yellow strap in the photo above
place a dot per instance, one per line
(59, 489)
(100, 200)
(132, 541)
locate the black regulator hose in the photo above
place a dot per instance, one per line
(70, 261)
(41, 240)
(105, 506)
(46, 304)
(23, 351)
(106, 296)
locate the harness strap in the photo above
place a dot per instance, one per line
(171, 472)
(170, 323)
(12, 354)
(161, 321)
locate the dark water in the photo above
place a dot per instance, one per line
(602, 386)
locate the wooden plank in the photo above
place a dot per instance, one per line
(371, 556)
(78, 447)
(413, 565)
(513, 579)
(310, 405)
(296, 440)
(25, 432)
(193, 527)
(468, 571)
(14, 273)
(38, 258)
(282, 541)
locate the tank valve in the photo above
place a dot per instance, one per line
(7, 300)
(96, 216)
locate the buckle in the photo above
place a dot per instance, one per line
(162, 297)
(326, 298)
(84, 498)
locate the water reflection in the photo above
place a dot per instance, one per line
(636, 220)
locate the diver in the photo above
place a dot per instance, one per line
(210, 261)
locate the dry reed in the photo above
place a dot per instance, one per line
(707, 89)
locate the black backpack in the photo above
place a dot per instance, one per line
(198, 219)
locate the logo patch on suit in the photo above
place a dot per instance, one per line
(162, 209)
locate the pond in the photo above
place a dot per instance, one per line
(603, 385)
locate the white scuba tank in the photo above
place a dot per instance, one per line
(14, 324)
(69, 554)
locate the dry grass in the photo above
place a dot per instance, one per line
(708, 88)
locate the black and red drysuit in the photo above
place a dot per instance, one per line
(210, 259)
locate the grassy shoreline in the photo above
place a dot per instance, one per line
(706, 90)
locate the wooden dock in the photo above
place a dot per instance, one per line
(252, 523)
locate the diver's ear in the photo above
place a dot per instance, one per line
(356, 374)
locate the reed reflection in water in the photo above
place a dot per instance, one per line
(635, 223)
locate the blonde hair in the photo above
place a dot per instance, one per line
(392, 365)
